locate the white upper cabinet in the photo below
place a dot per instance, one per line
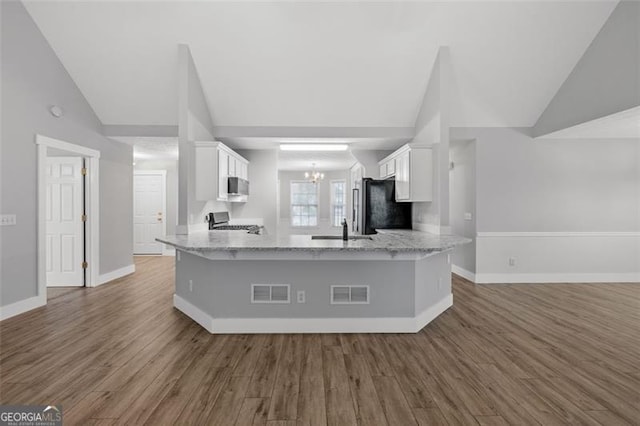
(412, 167)
(387, 168)
(223, 173)
(215, 163)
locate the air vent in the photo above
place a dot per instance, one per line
(349, 294)
(270, 293)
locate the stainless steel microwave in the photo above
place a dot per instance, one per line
(238, 186)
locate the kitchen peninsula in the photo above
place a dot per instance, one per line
(233, 282)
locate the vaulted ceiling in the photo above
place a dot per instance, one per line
(320, 64)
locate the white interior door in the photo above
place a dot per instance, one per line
(148, 211)
(65, 233)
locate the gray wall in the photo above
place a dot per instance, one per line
(432, 128)
(583, 195)
(32, 80)
(222, 288)
(171, 166)
(369, 160)
(605, 80)
(263, 181)
(462, 184)
(194, 124)
(555, 185)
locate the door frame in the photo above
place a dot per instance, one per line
(92, 209)
(162, 173)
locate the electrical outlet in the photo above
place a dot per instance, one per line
(178, 255)
(301, 296)
(7, 220)
(512, 261)
(468, 216)
(190, 285)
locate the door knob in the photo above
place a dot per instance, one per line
(159, 219)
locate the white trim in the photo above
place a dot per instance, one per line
(168, 251)
(92, 201)
(312, 325)
(196, 314)
(66, 146)
(631, 277)
(162, 173)
(556, 234)
(463, 273)
(114, 275)
(17, 308)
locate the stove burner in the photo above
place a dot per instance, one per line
(235, 228)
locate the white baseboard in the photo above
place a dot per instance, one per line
(22, 306)
(311, 325)
(463, 273)
(114, 275)
(193, 312)
(432, 312)
(557, 278)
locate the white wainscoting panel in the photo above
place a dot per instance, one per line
(540, 257)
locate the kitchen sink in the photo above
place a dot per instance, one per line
(339, 237)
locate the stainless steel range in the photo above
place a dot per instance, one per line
(219, 221)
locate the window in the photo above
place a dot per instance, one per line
(338, 202)
(304, 203)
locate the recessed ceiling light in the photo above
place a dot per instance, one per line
(313, 147)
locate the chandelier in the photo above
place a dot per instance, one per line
(313, 176)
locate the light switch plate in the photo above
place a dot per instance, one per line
(7, 220)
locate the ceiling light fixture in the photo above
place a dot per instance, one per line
(313, 176)
(313, 147)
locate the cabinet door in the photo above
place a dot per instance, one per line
(402, 177)
(391, 167)
(244, 171)
(383, 170)
(223, 174)
(233, 166)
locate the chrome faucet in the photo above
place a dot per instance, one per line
(345, 230)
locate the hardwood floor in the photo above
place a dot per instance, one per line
(504, 354)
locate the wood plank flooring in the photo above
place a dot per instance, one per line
(504, 354)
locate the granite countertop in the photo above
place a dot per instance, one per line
(393, 241)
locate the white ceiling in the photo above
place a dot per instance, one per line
(327, 160)
(322, 64)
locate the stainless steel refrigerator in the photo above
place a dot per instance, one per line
(375, 207)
